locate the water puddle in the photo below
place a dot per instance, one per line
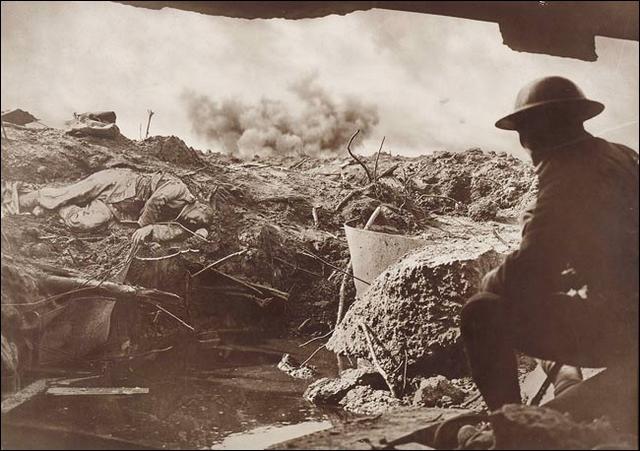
(229, 397)
(265, 436)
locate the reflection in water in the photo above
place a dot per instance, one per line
(266, 436)
(197, 398)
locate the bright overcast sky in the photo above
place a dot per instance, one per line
(436, 82)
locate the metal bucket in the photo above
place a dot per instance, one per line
(373, 252)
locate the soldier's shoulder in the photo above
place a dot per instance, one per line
(622, 150)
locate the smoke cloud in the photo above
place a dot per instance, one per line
(317, 124)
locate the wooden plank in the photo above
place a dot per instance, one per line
(24, 395)
(93, 391)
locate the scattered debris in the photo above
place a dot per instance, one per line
(100, 125)
(290, 365)
(367, 401)
(331, 391)
(18, 117)
(437, 391)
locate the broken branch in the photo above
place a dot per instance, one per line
(188, 326)
(164, 257)
(343, 202)
(364, 166)
(72, 285)
(309, 254)
(315, 339)
(219, 262)
(374, 358)
(312, 354)
(375, 167)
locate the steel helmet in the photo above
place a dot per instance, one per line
(548, 93)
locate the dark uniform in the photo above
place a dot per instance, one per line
(583, 228)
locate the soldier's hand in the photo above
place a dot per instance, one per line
(141, 235)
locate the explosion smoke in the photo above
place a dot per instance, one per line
(322, 126)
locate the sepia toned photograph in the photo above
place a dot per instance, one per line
(405, 225)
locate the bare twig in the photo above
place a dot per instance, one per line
(274, 291)
(471, 400)
(347, 164)
(375, 167)
(364, 166)
(404, 373)
(188, 326)
(308, 342)
(347, 198)
(374, 358)
(309, 254)
(497, 235)
(219, 262)
(240, 282)
(118, 290)
(296, 267)
(312, 354)
(357, 191)
(343, 296)
(4, 132)
(299, 163)
(164, 257)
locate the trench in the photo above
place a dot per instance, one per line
(217, 388)
(223, 397)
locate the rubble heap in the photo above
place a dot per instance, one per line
(413, 310)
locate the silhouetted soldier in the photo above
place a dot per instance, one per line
(584, 225)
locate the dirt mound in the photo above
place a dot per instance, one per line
(172, 150)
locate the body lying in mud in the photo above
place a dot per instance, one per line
(122, 195)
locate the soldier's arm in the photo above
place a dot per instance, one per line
(536, 266)
(173, 194)
(158, 233)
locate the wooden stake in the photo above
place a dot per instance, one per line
(151, 113)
